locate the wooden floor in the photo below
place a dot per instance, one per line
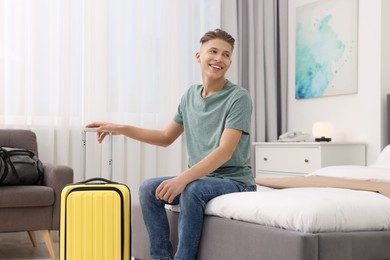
(18, 246)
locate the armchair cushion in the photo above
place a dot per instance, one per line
(26, 196)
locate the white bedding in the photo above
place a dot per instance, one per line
(355, 172)
(312, 210)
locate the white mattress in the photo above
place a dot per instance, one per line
(312, 210)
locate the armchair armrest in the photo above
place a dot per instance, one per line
(57, 177)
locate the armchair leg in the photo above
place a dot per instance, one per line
(33, 238)
(49, 243)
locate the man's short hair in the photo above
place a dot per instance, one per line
(217, 34)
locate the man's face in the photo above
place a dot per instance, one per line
(214, 58)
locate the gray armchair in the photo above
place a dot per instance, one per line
(36, 207)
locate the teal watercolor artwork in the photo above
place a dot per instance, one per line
(326, 48)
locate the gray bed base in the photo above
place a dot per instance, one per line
(227, 239)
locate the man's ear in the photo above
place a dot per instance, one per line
(197, 56)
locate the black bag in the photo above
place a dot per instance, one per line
(19, 167)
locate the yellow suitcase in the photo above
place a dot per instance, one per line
(95, 221)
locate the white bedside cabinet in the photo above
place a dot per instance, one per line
(278, 159)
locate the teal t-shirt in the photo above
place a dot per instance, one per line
(204, 120)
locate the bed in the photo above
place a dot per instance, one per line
(325, 221)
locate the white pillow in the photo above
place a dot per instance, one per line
(383, 160)
(355, 172)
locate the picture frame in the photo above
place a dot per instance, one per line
(323, 39)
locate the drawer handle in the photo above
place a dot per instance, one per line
(265, 159)
(306, 160)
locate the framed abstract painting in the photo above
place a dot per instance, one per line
(326, 47)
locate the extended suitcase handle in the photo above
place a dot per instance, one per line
(84, 158)
(97, 179)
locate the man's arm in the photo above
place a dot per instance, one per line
(169, 189)
(156, 137)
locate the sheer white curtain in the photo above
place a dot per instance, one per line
(64, 63)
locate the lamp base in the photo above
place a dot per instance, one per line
(323, 139)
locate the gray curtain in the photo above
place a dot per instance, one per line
(260, 60)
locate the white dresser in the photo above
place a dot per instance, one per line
(278, 159)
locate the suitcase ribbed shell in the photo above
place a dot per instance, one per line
(95, 222)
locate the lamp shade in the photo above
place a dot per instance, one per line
(322, 131)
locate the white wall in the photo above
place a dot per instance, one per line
(385, 77)
(356, 117)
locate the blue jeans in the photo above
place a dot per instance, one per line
(192, 204)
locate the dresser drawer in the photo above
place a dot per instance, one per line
(277, 159)
(288, 159)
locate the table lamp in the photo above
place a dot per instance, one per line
(322, 131)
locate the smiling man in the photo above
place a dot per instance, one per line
(215, 117)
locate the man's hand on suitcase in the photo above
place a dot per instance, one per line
(103, 129)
